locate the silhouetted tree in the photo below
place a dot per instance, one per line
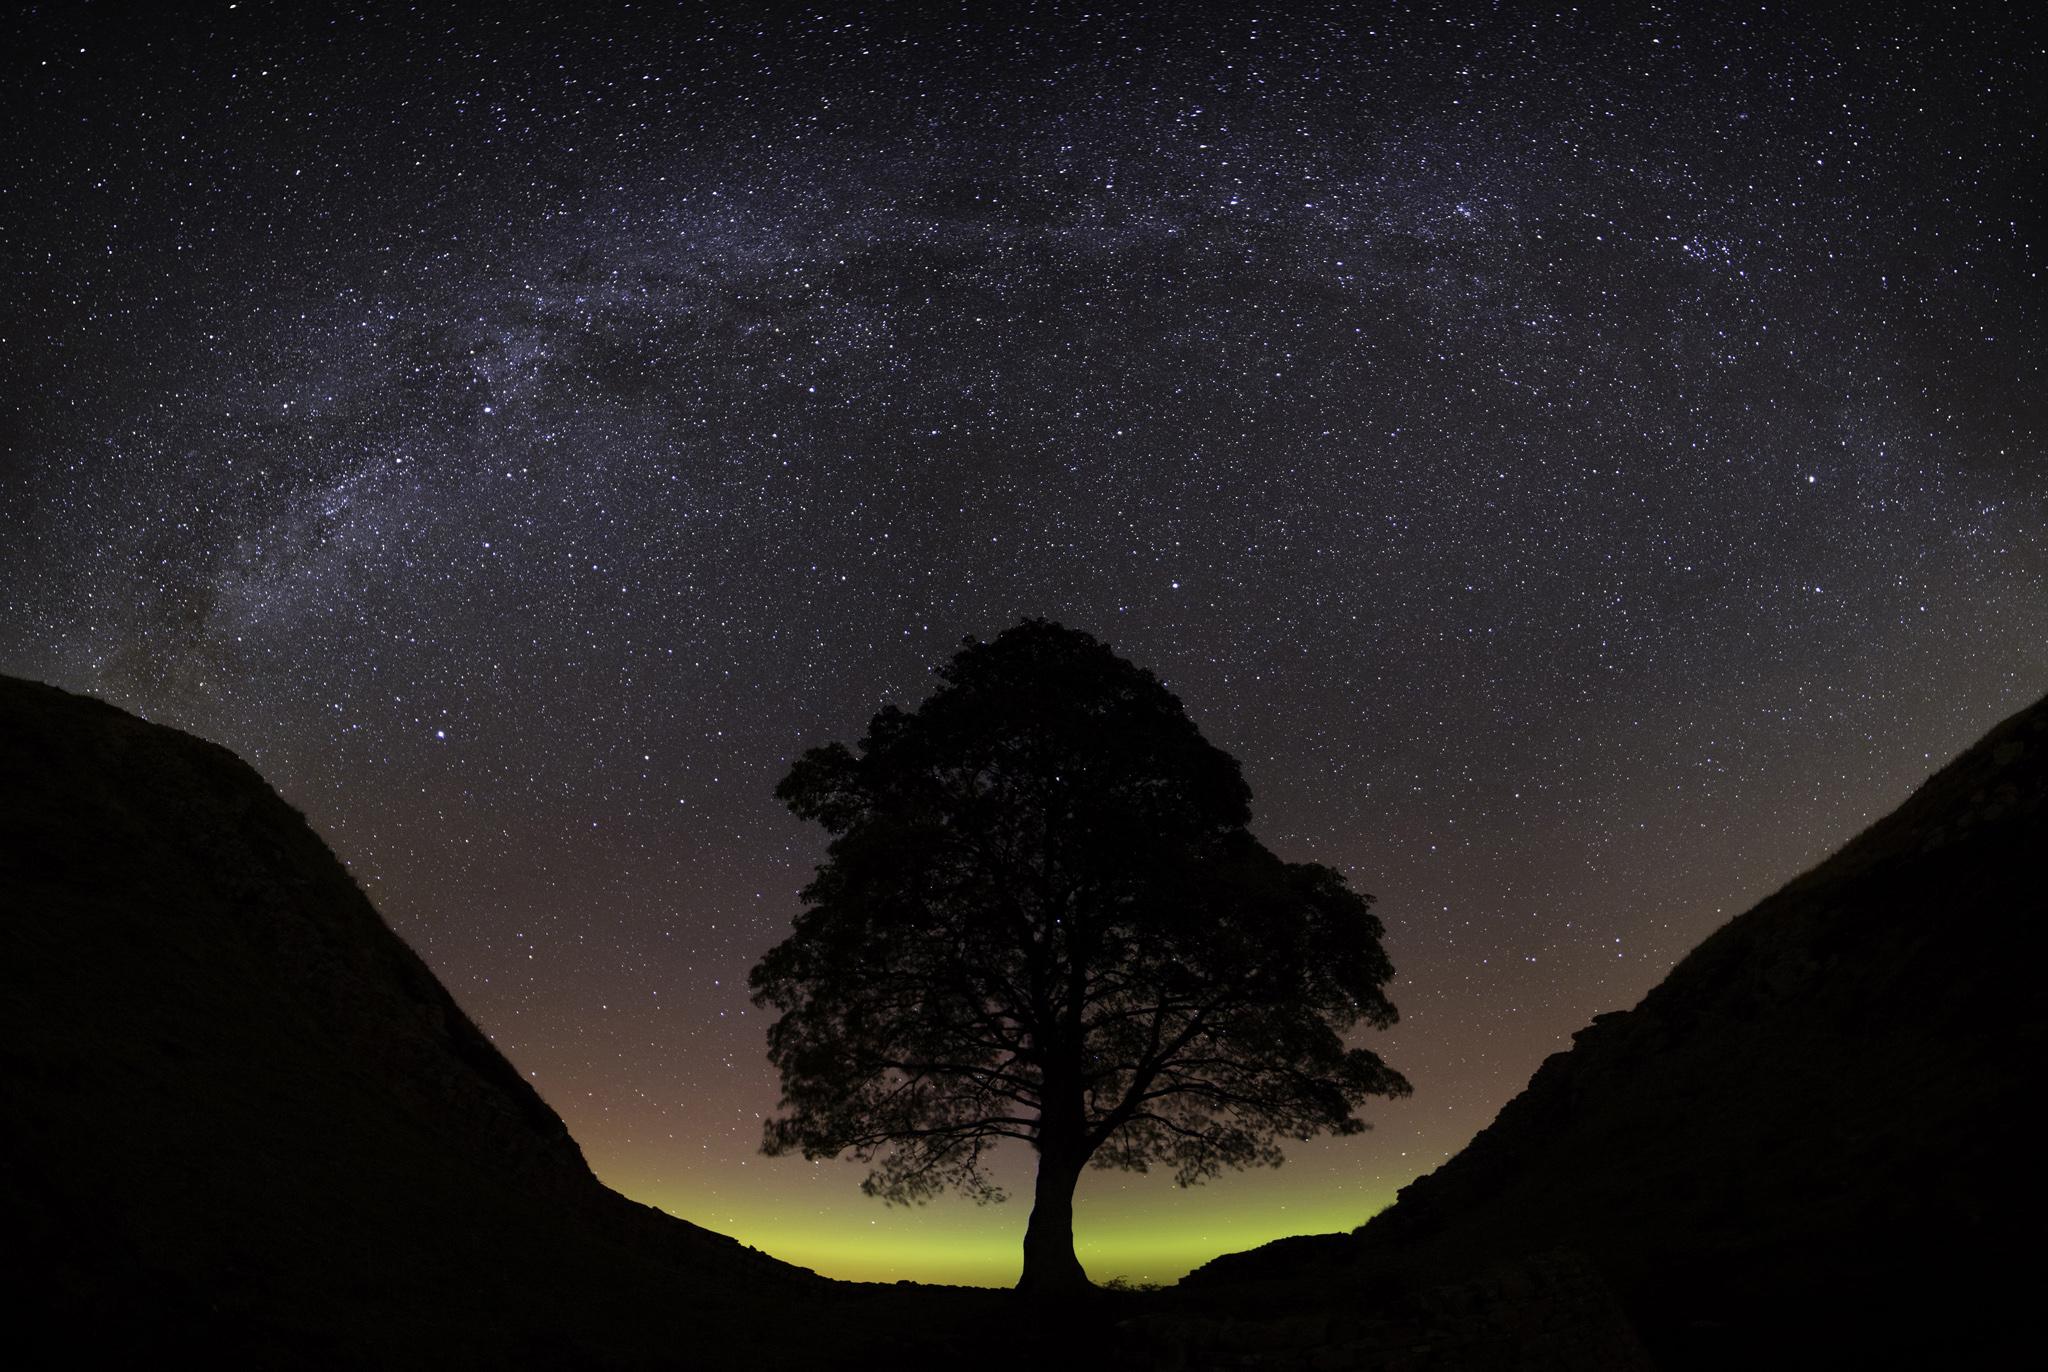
(1042, 917)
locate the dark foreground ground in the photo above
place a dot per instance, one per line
(241, 1124)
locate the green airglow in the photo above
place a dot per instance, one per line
(1140, 1230)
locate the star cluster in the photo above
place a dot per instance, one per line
(1584, 464)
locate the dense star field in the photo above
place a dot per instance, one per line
(1585, 467)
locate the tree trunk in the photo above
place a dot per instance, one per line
(1050, 1266)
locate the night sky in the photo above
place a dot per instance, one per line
(1585, 467)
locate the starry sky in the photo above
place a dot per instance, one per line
(1586, 462)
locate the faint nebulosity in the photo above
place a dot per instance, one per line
(1585, 467)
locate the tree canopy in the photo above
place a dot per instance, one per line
(1042, 917)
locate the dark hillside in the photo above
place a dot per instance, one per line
(240, 1118)
(1809, 1141)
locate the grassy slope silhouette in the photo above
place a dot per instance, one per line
(242, 1117)
(1808, 1140)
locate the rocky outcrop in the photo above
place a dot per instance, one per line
(1807, 1141)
